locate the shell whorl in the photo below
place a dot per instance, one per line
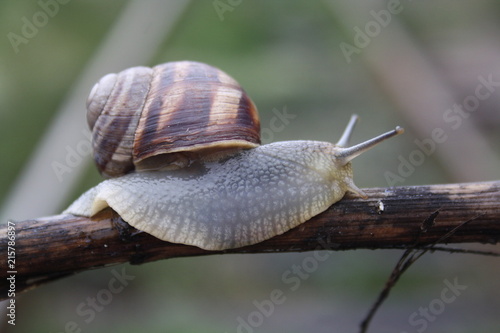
(152, 118)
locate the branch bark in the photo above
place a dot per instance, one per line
(52, 247)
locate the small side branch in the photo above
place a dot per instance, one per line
(52, 247)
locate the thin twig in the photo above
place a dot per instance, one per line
(407, 259)
(451, 250)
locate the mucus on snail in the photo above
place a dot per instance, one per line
(181, 143)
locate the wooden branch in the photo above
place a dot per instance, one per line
(56, 246)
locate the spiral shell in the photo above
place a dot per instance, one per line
(165, 117)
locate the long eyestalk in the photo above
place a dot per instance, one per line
(347, 154)
(346, 136)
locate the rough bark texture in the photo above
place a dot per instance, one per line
(56, 246)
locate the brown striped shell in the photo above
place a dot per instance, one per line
(167, 116)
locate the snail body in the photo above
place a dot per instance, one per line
(235, 199)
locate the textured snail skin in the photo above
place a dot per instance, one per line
(242, 200)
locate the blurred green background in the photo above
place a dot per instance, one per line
(319, 60)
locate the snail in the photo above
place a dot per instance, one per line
(180, 144)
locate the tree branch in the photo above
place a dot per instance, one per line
(56, 246)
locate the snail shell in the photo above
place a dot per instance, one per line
(167, 116)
